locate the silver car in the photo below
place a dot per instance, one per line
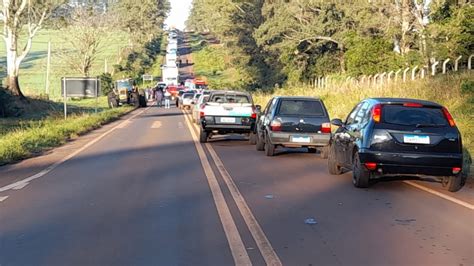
(198, 106)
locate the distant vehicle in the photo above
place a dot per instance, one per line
(228, 112)
(185, 101)
(196, 96)
(196, 84)
(199, 107)
(398, 137)
(170, 75)
(123, 93)
(294, 122)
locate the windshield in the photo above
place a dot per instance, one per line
(122, 84)
(188, 96)
(410, 116)
(230, 98)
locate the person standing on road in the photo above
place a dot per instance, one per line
(167, 99)
(159, 97)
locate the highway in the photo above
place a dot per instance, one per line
(144, 191)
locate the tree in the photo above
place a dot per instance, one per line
(86, 29)
(19, 17)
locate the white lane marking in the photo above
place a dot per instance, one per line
(441, 195)
(156, 124)
(20, 186)
(63, 160)
(239, 253)
(3, 198)
(264, 245)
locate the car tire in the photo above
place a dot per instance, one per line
(269, 148)
(260, 145)
(203, 136)
(324, 152)
(252, 138)
(333, 167)
(360, 175)
(312, 150)
(453, 183)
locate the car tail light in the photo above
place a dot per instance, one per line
(371, 166)
(448, 117)
(413, 105)
(326, 128)
(275, 125)
(201, 114)
(377, 113)
(254, 113)
(456, 170)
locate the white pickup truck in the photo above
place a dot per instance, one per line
(228, 112)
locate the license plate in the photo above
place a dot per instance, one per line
(228, 120)
(300, 139)
(416, 139)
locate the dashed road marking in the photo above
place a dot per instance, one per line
(441, 195)
(156, 124)
(237, 248)
(3, 198)
(63, 160)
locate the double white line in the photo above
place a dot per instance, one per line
(236, 245)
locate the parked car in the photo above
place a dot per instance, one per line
(228, 112)
(294, 122)
(185, 101)
(199, 107)
(397, 137)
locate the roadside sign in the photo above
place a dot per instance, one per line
(147, 77)
(80, 87)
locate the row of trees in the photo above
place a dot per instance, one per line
(85, 28)
(274, 41)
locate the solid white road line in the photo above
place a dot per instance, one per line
(20, 186)
(441, 195)
(63, 160)
(3, 198)
(237, 248)
(263, 244)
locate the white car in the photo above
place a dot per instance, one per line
(198, 107)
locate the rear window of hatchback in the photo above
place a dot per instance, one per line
(301, 108)
(413, 116)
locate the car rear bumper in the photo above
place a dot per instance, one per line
(413, 163)
(285, 139)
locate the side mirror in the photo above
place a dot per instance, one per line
(258, 108)
(337, 122)
(192, 102)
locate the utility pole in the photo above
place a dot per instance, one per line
(106, 68)
(48, 68)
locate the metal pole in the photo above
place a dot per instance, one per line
(48, 68)
(65, 98)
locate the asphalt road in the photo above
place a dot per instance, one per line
(145, 192)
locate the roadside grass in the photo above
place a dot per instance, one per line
(444, 89)
(35, 136)
(33, 68)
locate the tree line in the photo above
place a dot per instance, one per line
(85, 28)
(278, 41)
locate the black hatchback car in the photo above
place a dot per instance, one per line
(294, 122)
(397, 137)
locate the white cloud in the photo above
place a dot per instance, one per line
(179, 13)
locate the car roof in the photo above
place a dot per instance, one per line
(230, 92)
(298, 98)
(404, 100)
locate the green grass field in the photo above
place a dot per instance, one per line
(33, 68)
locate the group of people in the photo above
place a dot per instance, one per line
(161, 95)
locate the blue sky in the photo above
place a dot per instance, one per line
(179, 13)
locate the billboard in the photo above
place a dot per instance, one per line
(80, 87)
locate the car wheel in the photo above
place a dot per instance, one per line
(360, 175)
(324, 151)
(203, 135)
(333, 167)
(452, 183)
(260, 145)
(252, 138)
(269, 148)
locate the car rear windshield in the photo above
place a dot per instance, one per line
(413, 116)
(230, 98)
(301, 108)
(188, 96)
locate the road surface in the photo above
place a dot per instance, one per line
(143, 191)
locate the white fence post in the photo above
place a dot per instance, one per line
(382, 76)
(369, 78)
(444, 65)
(456, 63)
(362, 78)
(422, 72)
(375, 78)
(405, 74)
(389, 76)
(413, 72)
(469, 61)
(396, 74)
(326, 79)
(433, 68)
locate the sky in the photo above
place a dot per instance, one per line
(179, 13)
